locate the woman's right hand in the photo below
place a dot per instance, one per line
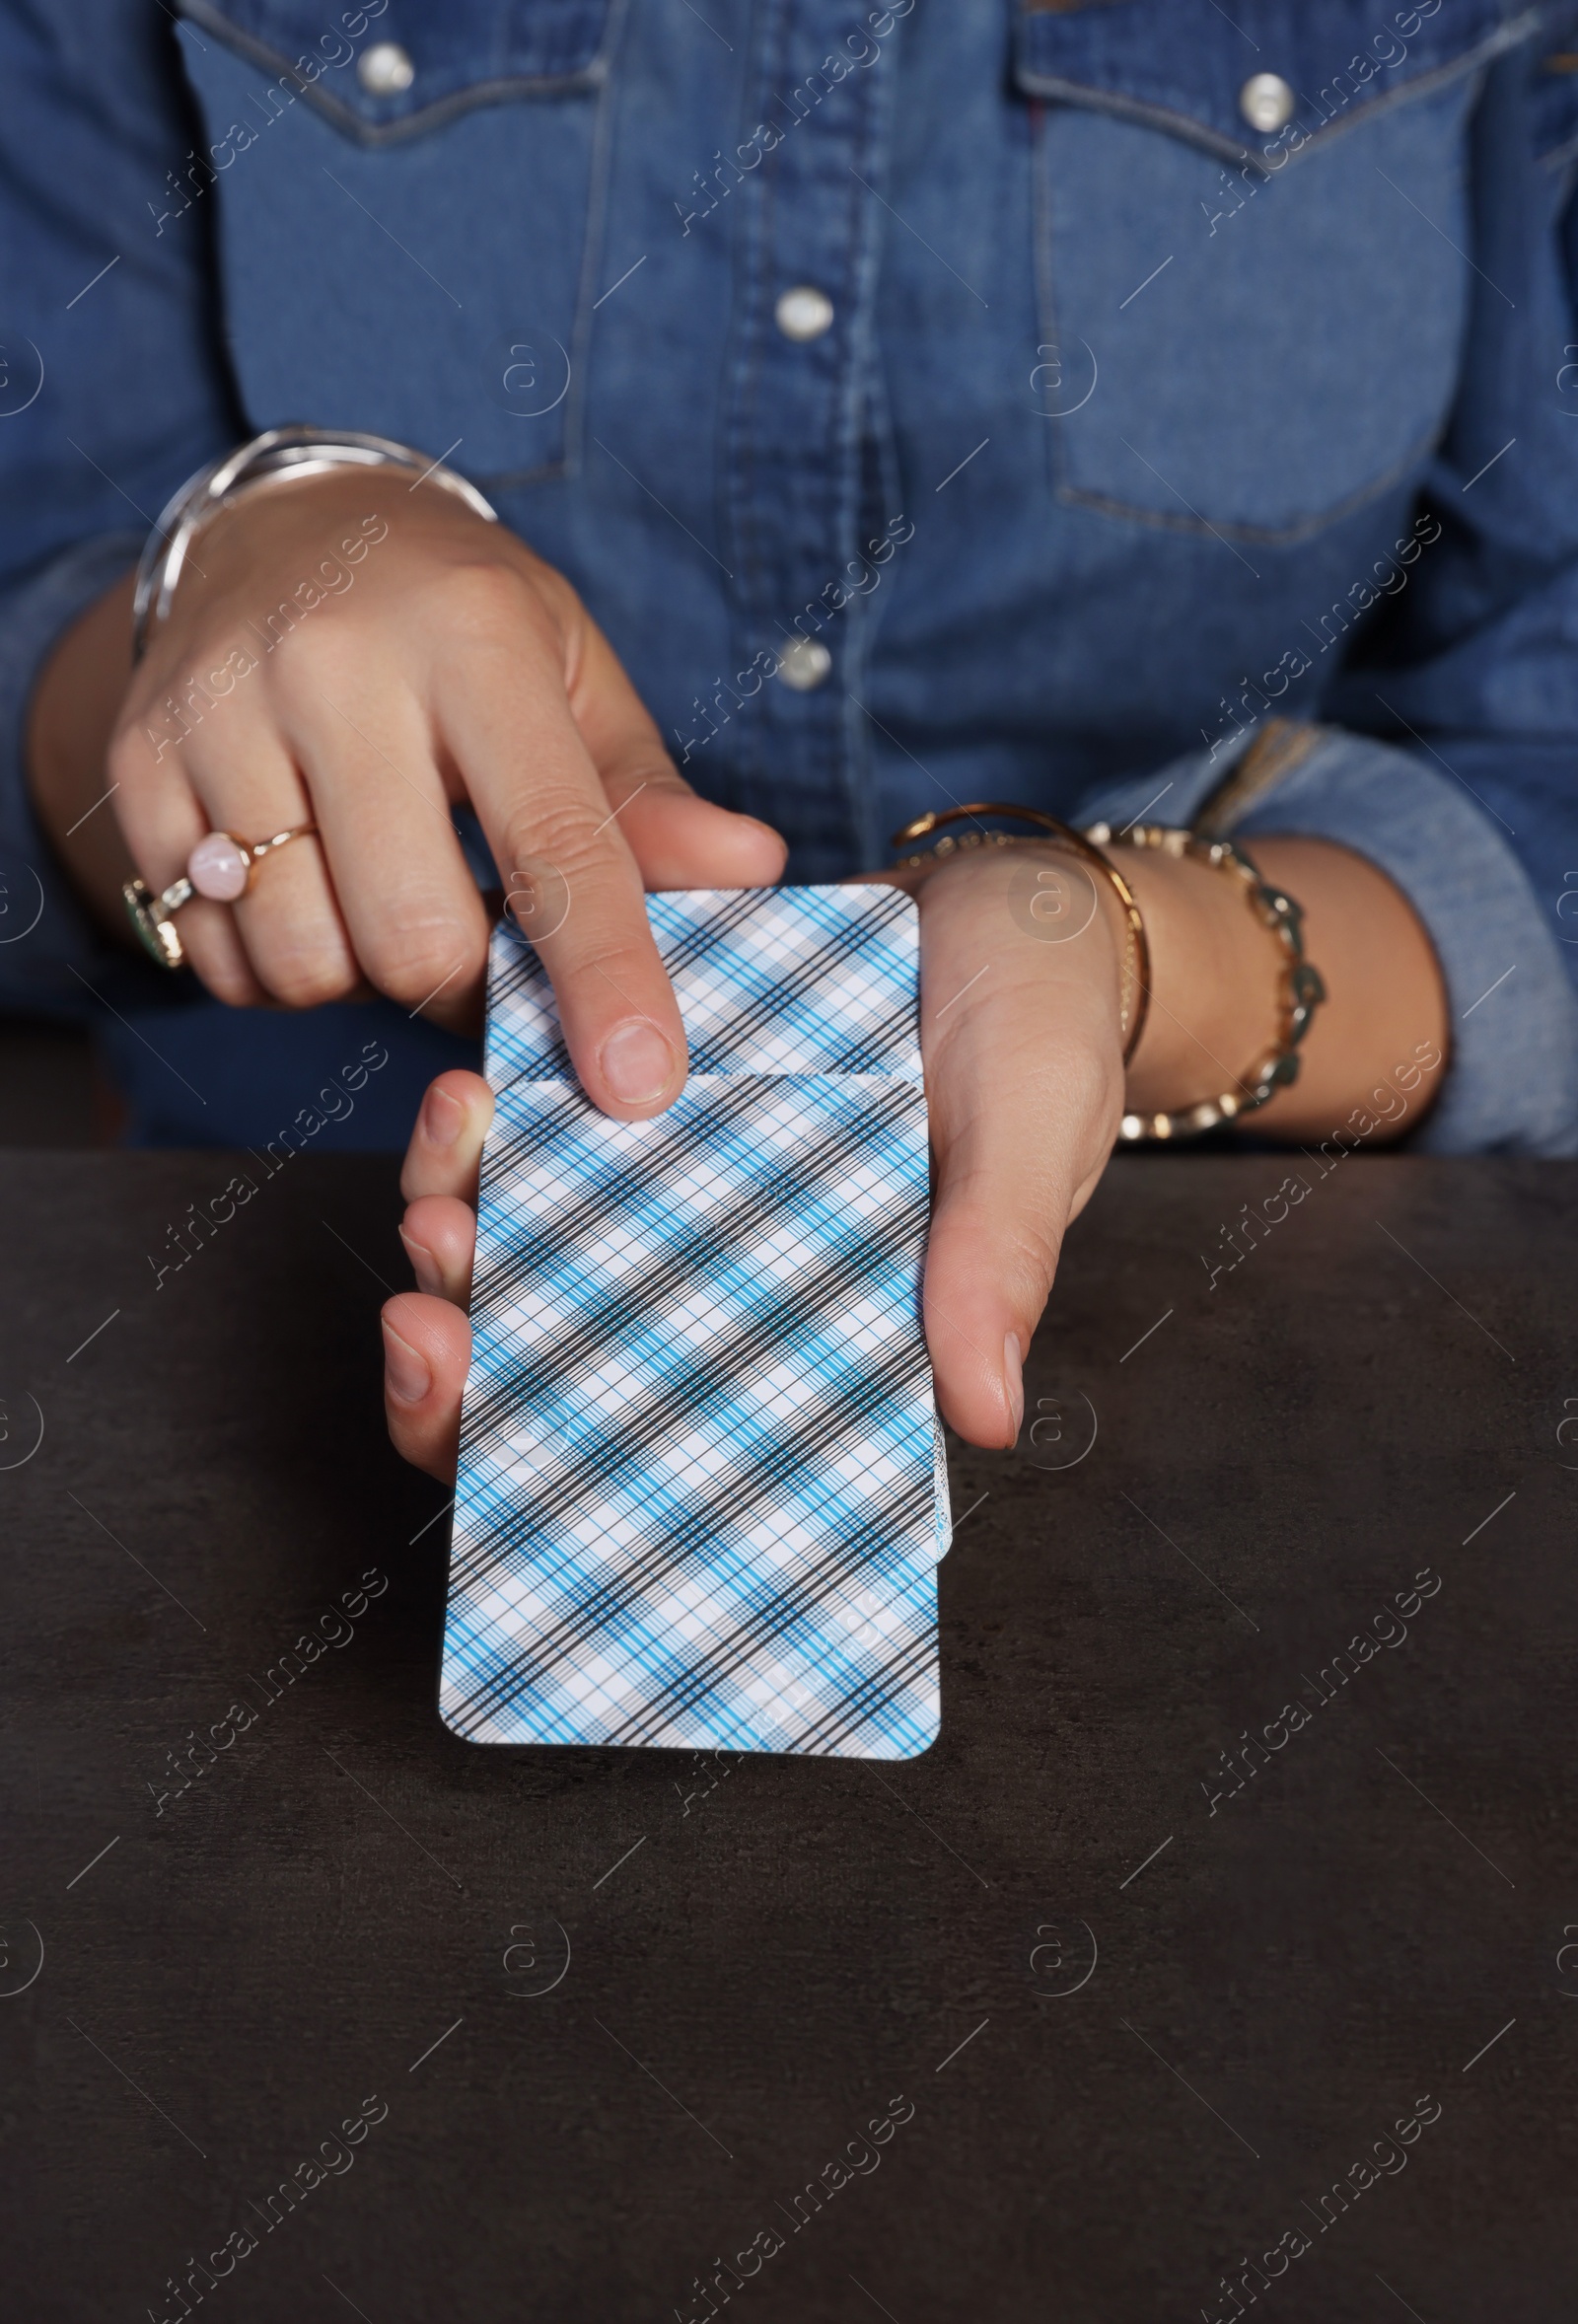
(364, 654)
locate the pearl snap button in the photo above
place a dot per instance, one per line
(385, 69)
(1265, 101)
(803, 664)
(803, 313)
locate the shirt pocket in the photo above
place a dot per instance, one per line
(406, 215)
(1249, 331)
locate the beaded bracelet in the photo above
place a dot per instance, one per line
(1302, 986)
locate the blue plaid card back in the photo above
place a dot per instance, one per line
(701, 1495)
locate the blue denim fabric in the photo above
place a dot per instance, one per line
(1133, 425)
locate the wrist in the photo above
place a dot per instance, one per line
(296, 453)
(1221, 985)
(1216, 983)
(274, 530)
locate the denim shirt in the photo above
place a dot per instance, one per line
(1114, 426)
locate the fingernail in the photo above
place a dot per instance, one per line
(443, 1118)
(1014, 1382)
(406, 1371)
(637, 1062)
(429, 1275)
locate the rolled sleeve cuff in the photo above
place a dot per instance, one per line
(1512, 1086)
(43, 925)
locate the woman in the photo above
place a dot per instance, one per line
(803, 420)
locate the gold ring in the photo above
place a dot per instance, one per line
(220, 867)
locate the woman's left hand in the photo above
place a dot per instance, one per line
(1022, 1041)
(1022, 1034)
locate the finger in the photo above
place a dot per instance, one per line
(161, 822)
(1024, 1077)
(438, 1232)
(411, 907)
(677, 839)
(427, 1348)
(680, 840)
(445, 1148)
(289, 921)
(502, 712)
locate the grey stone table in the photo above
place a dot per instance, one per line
(1221, 1958)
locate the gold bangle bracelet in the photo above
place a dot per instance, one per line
(1302, 988)
(1135, 991)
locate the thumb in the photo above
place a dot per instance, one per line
(993, 1249)
(1024, 1086)
(681, 840)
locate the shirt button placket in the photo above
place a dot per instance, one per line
(805, 290)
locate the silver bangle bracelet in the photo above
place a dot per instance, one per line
(296, 451)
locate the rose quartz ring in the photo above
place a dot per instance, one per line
(220, 867)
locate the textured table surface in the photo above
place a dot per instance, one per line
(1069, 2019)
